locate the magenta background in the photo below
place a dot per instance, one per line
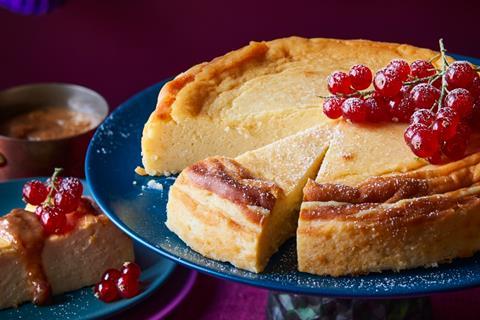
(118, 47)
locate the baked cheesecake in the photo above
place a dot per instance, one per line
(242, 209)
(36, 266)
(391, 222)
(251, 97)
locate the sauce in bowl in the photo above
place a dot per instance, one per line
(47, 123)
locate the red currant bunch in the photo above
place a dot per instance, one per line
(116, 284)
(55, 201)
(442, 106)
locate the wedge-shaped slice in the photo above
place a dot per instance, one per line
(251, 97)
(398, 221)
(358, 152)
(35, 266)
(241, 210)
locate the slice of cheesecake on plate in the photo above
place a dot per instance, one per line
(241, 210)
(252, 97)
(387, 210)
(35, 266)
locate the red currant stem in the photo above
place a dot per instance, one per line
(52, 185)
(443, 52)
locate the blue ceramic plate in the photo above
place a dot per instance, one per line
(82, 304)
(140, 210)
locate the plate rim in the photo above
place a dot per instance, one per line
(266, 284)
(110, 309)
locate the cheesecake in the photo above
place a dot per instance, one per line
(36, 266)
(242, 209)
(251, 97)
(391, 222)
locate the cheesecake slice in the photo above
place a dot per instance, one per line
(241, 210)
(35, 266)
(251, 97)
(388, 213)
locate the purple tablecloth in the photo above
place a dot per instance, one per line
(214, 299)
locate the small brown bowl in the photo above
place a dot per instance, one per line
(26, 158)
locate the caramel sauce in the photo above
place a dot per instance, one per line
(47, 123)
(24, 231)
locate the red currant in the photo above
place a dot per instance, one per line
(111, 275)
(446, 123)
(73, 185)
(339, 83)
(58, 181)
(34, 192)
(461, 101)
(456, 147)
(53, 220)
(424, 95)
(66, 201)
(401, 110)
(424, 143)
(332, 107)
(422, 69)
(377, 110)
(386, 83)
(423, 116)
(128, 286)
(475, 116)
(459, 74)
(400, 67)
(131, 269)
(106, 291)
(411, 130)
(475, 87)
(360, 77)
(355, 110)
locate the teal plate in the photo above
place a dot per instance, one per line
(138, 205)
(81, 304)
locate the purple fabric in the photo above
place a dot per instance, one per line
(213, 299)
(30, 7)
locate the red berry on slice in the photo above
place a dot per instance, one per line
(401, 109)
(360, 77)
(459, 74)
(474, 118)
(423, 116)
(111, 275)
(411, 130)
(53, 220)
(461, 101)
(436, 158)
(34, 192)
(456, 147)
(66, 201)
(400, 67)
(355, 110)
(339, 83)
(424, 96)
(475, 87)
(131, 269)
(106, 291)
(386, 83)
(378, 110)
(446, 123)
(58, 181)
(73, 185)
(128, 286)
(332, 107)
(421, 69)
(424, 143)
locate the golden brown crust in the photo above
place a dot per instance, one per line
(389, 189)
(221, 67)
(230, 180)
